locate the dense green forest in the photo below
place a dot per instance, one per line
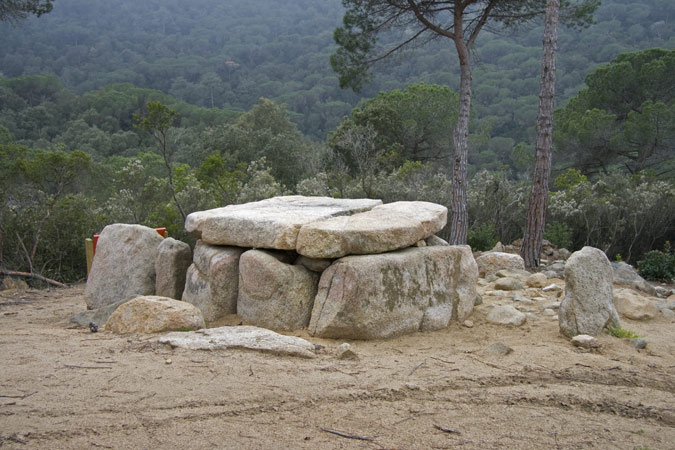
(258, 112)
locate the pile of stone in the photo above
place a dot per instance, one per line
(344, 268)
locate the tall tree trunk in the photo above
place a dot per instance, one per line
(460, 214)
(536, 215)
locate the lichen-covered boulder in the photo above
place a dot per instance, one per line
(588, 304)
(388, 294)
(123, 266)
(153, 314)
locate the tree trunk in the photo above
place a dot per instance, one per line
(536, 215)
(460, 214)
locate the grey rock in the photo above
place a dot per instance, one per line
(123, 266)
(585, 341)
(639, 343)
(273, 294)
(491, 262)
(537, 280)
(198, 291)
(549, 312)
(506, 315)
(498, 349)
(384, 228)
(434, 240)
(98, 315)
(153, 314)
(171, 263)
(625, 274)
(508, 284)
(518, 274)
(314, 264)
(436, 317)
(667, 313)
(242, 337)
(384, 295)
(273, 223)
(587, 307)
(518, 297)
(345, 352)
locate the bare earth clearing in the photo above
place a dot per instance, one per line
(63, 387)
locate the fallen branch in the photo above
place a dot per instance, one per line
(417, 367)
(13, 273)
(22, 397)
(71, 366)
(447, 430)
(345, 435)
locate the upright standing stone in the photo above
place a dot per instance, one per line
(273, 294)
(213, 279)
(171, 264)
(588, 305)
(124, 265)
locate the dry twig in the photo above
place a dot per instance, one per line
(345, 435)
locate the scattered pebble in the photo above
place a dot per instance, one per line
(552, 287)
(345, 352)
(639, 343)
(585, 341)
(498, 349)
(168, 361)
(468, 323)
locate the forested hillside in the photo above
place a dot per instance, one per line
(229, 54)
(142, 112)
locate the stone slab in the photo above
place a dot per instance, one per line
(241, 337)
(273, 223)
(382, 229)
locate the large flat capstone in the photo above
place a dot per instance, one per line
(382, 229)
(272, 223)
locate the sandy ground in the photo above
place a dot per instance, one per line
(64, 387)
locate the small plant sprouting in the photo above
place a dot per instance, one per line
(621, 333)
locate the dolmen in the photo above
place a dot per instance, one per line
(344, 268)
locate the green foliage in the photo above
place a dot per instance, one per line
(559, 234)
(482, 237)
(658, 265)
(625, 118)
(14, 10)
(621, 333)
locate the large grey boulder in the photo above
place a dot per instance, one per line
(171, 264)
(626, 274)
(213, 280)
(273, 294)
(123, 266)
(588, 306)
(242, 337)
(384, 295)
(273, 223)
(491, 262)
(384, 228)
(153, 314)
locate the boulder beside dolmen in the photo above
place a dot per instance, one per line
(343, 268)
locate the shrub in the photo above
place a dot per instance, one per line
(559, 234)
(482, 238)
(658, 265)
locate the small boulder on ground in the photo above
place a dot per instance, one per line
(506, 315)
(625, 274)
(13, 283)
(491, 262)
(98, 315)
(588, 306)
(153, 314)
(123, 266)
(508, 284)
(633, 306)
(537, 280)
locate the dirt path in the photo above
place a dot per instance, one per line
(62, 387)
